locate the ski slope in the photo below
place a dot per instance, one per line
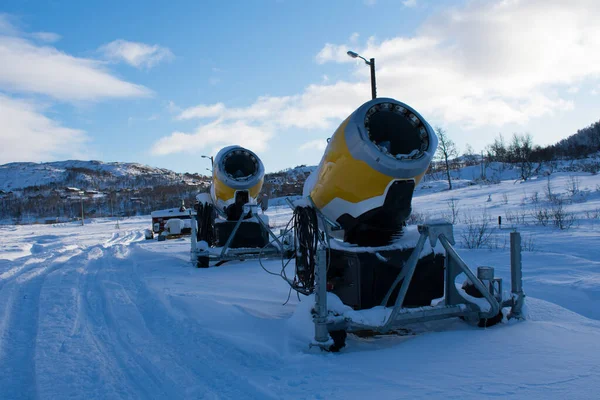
(95, 312)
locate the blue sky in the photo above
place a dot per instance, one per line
(162, 83)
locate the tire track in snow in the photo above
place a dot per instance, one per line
(19, 326)
(205, 355)
(139, 342)
(127, 237)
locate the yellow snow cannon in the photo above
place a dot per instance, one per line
(347, 232)
(238, 176)
(228, 225)
(366, 178)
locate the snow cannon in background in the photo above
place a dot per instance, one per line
(238, 176)
(351, 236)
(229, 225)
(367, 176)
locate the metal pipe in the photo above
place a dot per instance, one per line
(321, 332)
(516, 274)
(426, 314)
(290, 204)
(515, 263)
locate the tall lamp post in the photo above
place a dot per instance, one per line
(211, 158)
(370, 63)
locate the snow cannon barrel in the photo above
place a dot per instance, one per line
(366, 178)
(238, 176)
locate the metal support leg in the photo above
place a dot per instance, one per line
(321, 332)
(516, 275)
(269, 231)
(233, 232)
(494, 305)
(406, 273)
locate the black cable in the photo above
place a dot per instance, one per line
(306, 226)
(307, 238)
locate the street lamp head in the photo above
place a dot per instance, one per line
(352, 54)
(205, 156)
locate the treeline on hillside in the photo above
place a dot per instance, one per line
(54, 206)
(520, 152)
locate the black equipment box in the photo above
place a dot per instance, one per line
(361, 279)
(250, 234)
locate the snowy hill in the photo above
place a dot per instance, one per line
(98, 174)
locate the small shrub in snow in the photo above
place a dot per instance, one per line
(593, 214)
(478, 232)
(541, 215)
(549, 192)
(524, 200)
(416, 218)
(498, 244)
(504, 198)
(509, 216)
(527, 244)
(572, 185)
(454, 210)
(514, 217)
(535, 198)
(562, 218)
(592, 167)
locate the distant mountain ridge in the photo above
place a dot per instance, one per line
(54, 191)
(89, 174)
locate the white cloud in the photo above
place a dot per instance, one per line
(409, 3)
(319, 145)
(200, 111)
(370, 3)
(26, 67)
(213, 136)
(38, 70)
(48, 37)
(139, 55)
(489, 63)
(7, 26)
(319, 107)
(27, 134)
(485, 65)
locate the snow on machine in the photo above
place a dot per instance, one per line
(351, 237)
(229, 226)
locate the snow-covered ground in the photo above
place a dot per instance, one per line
(98, 312)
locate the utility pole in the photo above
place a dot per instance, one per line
(482, 167)
(112, 210)
(82, 217)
